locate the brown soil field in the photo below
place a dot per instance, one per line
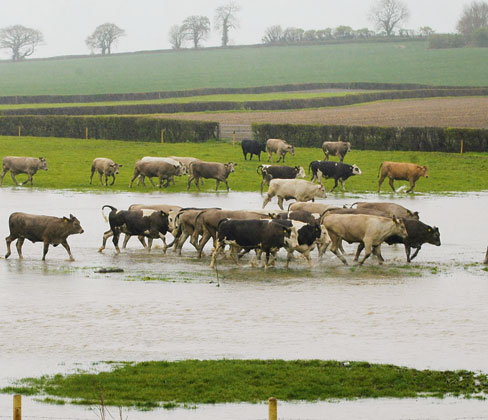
(437, 112)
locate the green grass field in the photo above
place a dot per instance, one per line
(69, 162)
(409, 62)
(169, 384)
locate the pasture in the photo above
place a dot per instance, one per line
(69, 162)
(409, 62)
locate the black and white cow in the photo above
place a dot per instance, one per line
(269, 172)
(147, 222)
(337, 170)
(252, 147)
(266, 235)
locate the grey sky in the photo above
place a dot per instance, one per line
(65, 24)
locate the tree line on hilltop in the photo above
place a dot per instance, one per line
(387, 16)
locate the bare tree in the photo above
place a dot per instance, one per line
(104, 37)
(20, 40)
(388, 14)
(225, 20)
(273, 34)
(176, 36)
(474, 17)
(196, 28)
(426, 31)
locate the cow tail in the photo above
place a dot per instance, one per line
(352, 205)
(379, 169)
(103, 213)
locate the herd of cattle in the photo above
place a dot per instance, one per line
(302, 228)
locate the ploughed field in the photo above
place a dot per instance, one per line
(437, 112)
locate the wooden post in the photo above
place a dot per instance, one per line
(86, 133)
(17, 407)
(273, 408)
(462, 145)
(486, 257)
(20, 130)
(162, 135)
(234, 137)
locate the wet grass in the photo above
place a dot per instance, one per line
(155, 384)
(69, 162)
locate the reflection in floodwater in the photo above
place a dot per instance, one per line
(59, 316)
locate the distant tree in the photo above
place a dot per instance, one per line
(225, 20)
(343, 32)
(196, 29)
(475, 16)
(273, 34)
(480, 37)
(324, 34)
(426, 31)
(104, 37)
(310, 35)
(176, 36)
(363, 33)
(20, 40)
(293, 35)
(388, 14)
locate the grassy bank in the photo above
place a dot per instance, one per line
(69, 162)
(393, 62)
(152, 384)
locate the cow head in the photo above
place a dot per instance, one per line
(400, 225)
(319, 191)
(291, 237)
(348, 146)
(324, 240)
(300, 172)
(230, 167)
(291, 149)
(413, 215)
(356, 170)
(115, 168)
(435, 236)
(42, 164)
(74, 224)
(424, 171)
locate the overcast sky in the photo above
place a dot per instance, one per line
(66, 24)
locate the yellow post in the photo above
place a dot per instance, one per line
(19, 130)
(234, 137)
(462, 145)
(273, 408)
(86, 133)
(17, 407)
(162, 135)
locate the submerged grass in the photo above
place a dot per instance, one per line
(155, 384)
(69, 162)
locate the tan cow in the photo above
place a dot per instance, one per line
(22, 165)
(311, 207)
(391, 209)
(404, 171)
(280, 147)
(363, 228)
(210, 170)
(104, 167)
(287, 189)
(336, 148)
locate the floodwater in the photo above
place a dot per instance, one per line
(59, 316)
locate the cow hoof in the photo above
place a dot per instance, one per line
(100, 250)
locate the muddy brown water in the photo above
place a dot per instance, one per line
(59, 316)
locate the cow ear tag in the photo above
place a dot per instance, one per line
(429, 230)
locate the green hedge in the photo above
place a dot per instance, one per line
(427, 139)
(250, 105)
(139, 96)
(113, 128)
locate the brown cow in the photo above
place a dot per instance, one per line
(218, 171)
(336, 148)
(363, 228)
(104, 167)
(404, 171)
(162, 170)
(391, 209)
(22, 165)
(48, 229)
(280, 147)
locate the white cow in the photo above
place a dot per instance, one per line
(299, 189)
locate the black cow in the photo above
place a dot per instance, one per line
(266, 235)
(418, 233)
(253, 147)
(149, 223)
(269, 172)
(337, 170)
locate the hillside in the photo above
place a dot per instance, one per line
(410, 62)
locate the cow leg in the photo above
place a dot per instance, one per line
(266, 200)
(4, 172)
(149, 244)
(115, 241)
(336, 182)
(227, 185)
(217, 183)
(412, 185)
(44, 252)
(215, 253)
(262, 185)
(358, 251)
(368, 249)
(180, 241)
(234, 251)
(245, 155)
(336, 245)
(280, 202)
(391, 183)
(106, 235)
(13, 178)
(377, 252)
(113, 180)
(9, 239)
(68, 250)
(410, 258)
(203, 241)
(382, 178)
(270, 154)
(190, 179)
(136, 174)
(92, 173)
(343, 186)
(126, 239)
(197, 183)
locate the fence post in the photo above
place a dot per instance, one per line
(86, 133)
(20, 130)
(273, 408)
(234, 137)
(17, 407)
(162, 135)
(462, 146)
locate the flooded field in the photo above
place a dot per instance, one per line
(60, 316)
